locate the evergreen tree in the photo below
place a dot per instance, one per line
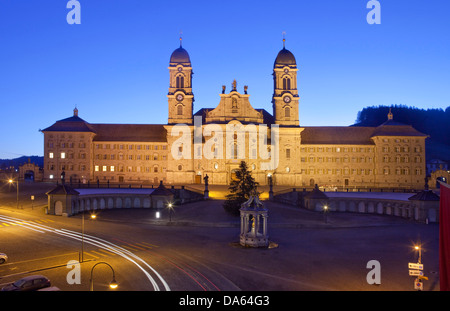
(240, 189)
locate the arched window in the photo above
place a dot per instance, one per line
(180, 82)
(180, 110)
(287, 112)
(286, 83)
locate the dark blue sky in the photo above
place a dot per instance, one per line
(113, 66)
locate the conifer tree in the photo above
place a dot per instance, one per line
(240, 189)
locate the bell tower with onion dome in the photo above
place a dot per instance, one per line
(285, 94)
(180, 94)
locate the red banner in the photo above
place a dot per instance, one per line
(444, 237)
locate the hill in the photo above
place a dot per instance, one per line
(6, 163)
(433, 122)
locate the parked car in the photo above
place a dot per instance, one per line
(3, 258)
(29, 283)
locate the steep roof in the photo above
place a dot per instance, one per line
(161, 190)
(425, 195)
(63, 189)
(393, 128)
(71, 124)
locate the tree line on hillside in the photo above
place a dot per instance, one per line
(433, 122)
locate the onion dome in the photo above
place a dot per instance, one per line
(180, 55)
(285, 58)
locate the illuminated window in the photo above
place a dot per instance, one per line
(112, 168)
(51, 176)
(63, 155)
(96, 168)
(50, 155)
(104, 168)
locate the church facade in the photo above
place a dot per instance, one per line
(213, 141)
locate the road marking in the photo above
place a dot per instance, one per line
(152, 245)
(131, 248)
(101, 243)
(106, 252)
(90, 255)
(143, 245)
(100, 254)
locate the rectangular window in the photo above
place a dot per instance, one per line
(288, 153)
(63, 155)
(96, 168)
(112, 168)
(50, 155)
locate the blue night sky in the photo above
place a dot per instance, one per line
(113, 66)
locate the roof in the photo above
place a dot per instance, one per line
(161, 190)
(72, 124)
(63, 189)
(337, 135)
(316, 194)
(130, 132)
(108, 191)
(180, 55)
(425, 195)
(393, 128)
(285, 57)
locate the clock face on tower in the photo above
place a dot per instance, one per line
(179, 97)
(287, 99)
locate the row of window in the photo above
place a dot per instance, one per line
(359, 149)
(130, 147)
(337, 159)
(109, 146)
(66, 145)
(120, 156)
(129, 169)
(362, 171)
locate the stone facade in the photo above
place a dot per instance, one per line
(387, 156)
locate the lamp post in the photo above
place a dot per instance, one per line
(418, 248)
(325, 213)
(113, 284)
(170, 208)
(17, 181)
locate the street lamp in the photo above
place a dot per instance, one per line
(170, 208)
(17, 181)
(418, 248)
(325, 211)
(113, 284)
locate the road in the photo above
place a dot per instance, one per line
(45, 246)
(199, 250)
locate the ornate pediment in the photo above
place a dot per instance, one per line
(234, 106)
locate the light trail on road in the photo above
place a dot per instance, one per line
(92, 240)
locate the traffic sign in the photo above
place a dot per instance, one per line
(417, 266)
(418, 284)
(415, 272)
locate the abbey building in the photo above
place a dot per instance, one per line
(213, 141)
